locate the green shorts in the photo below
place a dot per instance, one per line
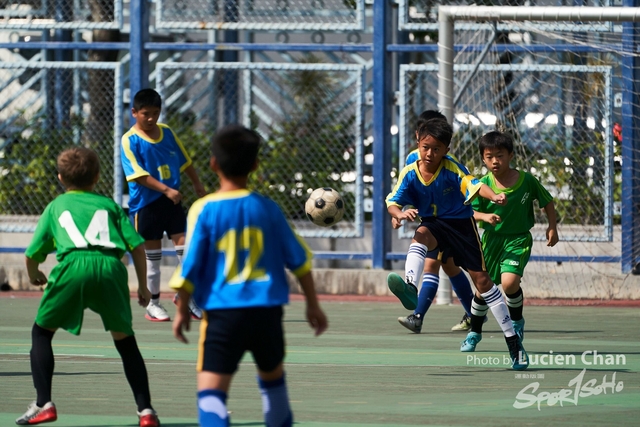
(87, 279)
(506, 253)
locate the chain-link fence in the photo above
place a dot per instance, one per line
(61, 14)
(310, 116)
(261, 15)
(44, 108)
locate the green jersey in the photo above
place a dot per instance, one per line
(82, 220)
(517, 216)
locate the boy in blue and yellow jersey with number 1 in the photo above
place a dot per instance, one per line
(441, 191)
(238, 245)
(153, 158)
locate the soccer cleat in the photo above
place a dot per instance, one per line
(518, 327)
(37, 415)
(148, 418)
(156, 313)
(407, 293)
(519, 357)
(464, 325)
(196, 312)
(412, 322)
(469, 343)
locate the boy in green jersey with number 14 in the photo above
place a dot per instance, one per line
(90, 233)
(507, 241)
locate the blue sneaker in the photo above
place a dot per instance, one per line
(519, 357)
(518, 327)
(407, 293)
(469, 343)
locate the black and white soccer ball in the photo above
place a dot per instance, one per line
(324, 207)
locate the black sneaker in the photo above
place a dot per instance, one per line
(412, 322)
(519, 357)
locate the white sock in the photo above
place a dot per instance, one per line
(154, 257)
(414, 264)
(495, 301)
(179, 252)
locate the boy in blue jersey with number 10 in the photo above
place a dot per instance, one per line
(153, 158)
(238, 245)
(441, 191)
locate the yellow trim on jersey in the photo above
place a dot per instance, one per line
(403, 172)
(146, 137)
(138, 171)
(433, 177)
(204, 323)
(178, 282)
(181, 145)
(306, 267)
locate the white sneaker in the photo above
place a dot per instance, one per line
(156, 313)
(196, 312)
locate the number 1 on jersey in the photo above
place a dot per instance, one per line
(97, 233)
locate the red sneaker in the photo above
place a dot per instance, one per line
(37, 415)
(149, 418)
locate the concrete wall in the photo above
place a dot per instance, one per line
(541, 280)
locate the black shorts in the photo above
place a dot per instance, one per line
(457, 238)
(158, 217)
(229, 333)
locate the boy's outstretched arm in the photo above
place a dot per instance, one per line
(552, 230)
(399, 215)
(140, 264)
(36, 277)
(197, 185)
(490, 218)
(487, 193)
(315, 315)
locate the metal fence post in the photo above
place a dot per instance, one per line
(139, 64)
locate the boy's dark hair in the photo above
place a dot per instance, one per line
(428, 115)
(236, 149)
(438, 129)
(147, 98)
(78, 166)
(495, 139)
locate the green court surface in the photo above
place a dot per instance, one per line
(366, 370)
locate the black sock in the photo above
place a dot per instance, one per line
(135, 371)
(479, 310)
(514, 302)
(42, 363)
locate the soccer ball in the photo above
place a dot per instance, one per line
(324, 207)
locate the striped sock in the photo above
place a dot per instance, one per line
(414, 264)
(179, 252)
(427, 293)
(479, 310)
(515, 301)
(495, 301)
(154, 257)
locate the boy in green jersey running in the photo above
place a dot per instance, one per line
(90, 233)
(507, 241)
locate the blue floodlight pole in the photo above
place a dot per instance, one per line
(230, 86)
(382, 97)
(630, 143)
(139, 63)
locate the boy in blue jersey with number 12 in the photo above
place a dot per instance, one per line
(153, 158)
(238, 245)
(441, 191)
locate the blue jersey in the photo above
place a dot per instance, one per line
(163, 158)
(238, 245)
(448, 193)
